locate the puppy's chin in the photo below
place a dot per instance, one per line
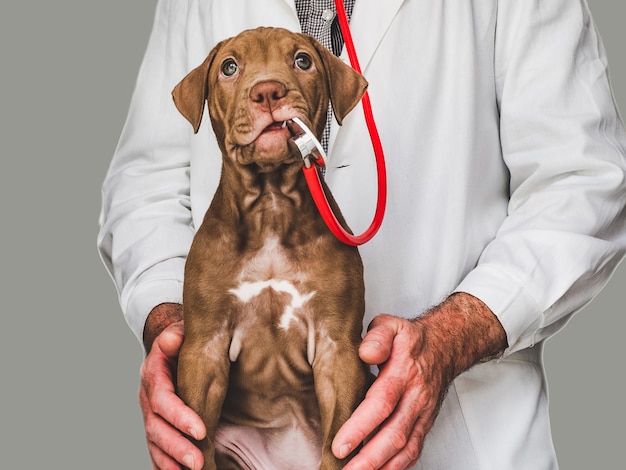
(268, 152)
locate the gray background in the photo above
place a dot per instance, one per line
(69, 364)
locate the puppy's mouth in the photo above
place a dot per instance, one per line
(273, 137)
(267, 147)
(267, 140)
(274, 127)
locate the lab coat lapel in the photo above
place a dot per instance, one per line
(351, 169)
(292, 5)
(370, 20)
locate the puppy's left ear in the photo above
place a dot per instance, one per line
(345, 84)
(190, 94)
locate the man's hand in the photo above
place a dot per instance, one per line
(167, 419)
(418, 360)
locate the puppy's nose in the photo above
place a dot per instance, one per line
(267, 94)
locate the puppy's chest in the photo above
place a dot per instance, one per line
(273, 288)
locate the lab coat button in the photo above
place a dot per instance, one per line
(328, 15)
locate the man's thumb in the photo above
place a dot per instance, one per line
(171, 339)
(376, 345)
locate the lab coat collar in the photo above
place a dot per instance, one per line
(367, 34)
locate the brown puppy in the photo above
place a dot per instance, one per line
(273, 303)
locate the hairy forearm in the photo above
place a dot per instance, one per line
(466, 331)
(160, 317)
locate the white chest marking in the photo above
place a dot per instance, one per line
(246, 291)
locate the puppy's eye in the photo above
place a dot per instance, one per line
(229, 67)
(303, 61)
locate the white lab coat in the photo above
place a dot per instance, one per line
(505, 157)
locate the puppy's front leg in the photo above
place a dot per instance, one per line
(340, 383)
(203, 370)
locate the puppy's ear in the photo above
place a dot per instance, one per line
(189, 95)
(345, 84)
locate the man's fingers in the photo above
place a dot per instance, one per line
(365, 419)
(165, 442)
(172, 409)
(160, 460)
(168, 448)
(158, 389)
(379, 403)
(384, 394)
(400, 406)
(167, 419)
(396, 410)
(399, 440)
(408, 456)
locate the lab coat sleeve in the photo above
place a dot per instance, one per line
(564, 144)
(146, 226)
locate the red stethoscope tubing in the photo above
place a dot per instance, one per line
(312, 175)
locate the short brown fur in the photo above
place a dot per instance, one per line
(248, 363)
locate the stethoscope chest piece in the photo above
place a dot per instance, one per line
(307, 144)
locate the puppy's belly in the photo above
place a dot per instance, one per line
(262, 449)
(269, 432)
(270, 417)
